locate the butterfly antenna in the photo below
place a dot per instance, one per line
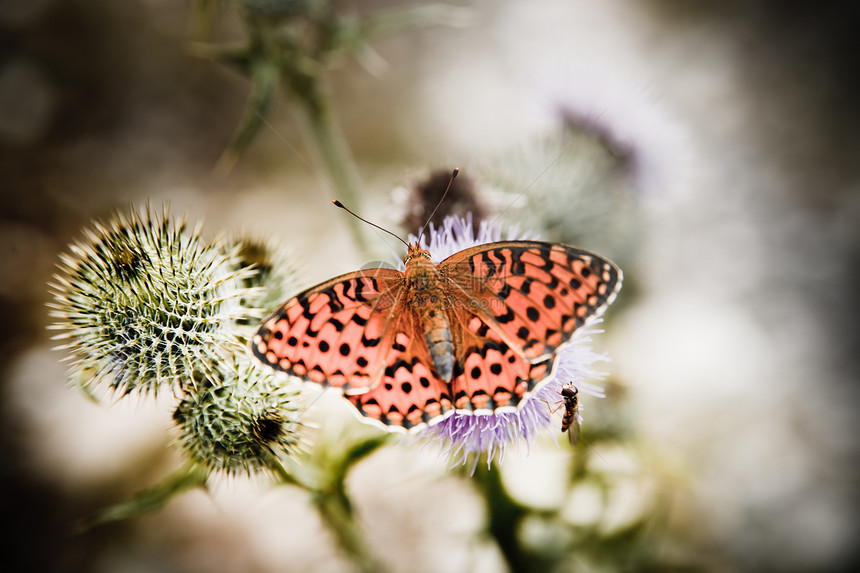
(450, 182)
(348, 210)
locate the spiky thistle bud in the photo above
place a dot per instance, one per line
(273, 277)
(238, 420)
(144, 303)
(583, 194)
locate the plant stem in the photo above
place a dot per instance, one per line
(505, 516)
(335, 153)
(187, 477)
(337, 513)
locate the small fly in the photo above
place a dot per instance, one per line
(571, 419)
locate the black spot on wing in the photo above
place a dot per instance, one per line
(369, 342)
(526, 287)
(506, 318)
(333, 300)
(488, 262)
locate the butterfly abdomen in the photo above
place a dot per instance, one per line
(437, 334)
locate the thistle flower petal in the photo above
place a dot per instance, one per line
(273, 276)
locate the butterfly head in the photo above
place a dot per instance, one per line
(415, 253)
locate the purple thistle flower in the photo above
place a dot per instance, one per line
(464, 437)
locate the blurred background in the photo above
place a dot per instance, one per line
(726, 137)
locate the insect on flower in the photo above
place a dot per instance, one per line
(571, 419)
(477, 334)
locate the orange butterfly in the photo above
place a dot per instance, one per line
(477, 333)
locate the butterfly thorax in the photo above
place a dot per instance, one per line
(425, 295)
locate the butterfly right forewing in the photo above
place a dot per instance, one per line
(516, 303)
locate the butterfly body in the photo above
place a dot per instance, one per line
(477, 333)
(425, 291)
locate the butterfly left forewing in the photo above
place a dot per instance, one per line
(336, 333)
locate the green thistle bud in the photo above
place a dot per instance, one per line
(272, 279)
(144, 303)
(584, 194)
(238, 420)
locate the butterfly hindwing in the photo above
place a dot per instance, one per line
(489, 374)
(411, 393)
